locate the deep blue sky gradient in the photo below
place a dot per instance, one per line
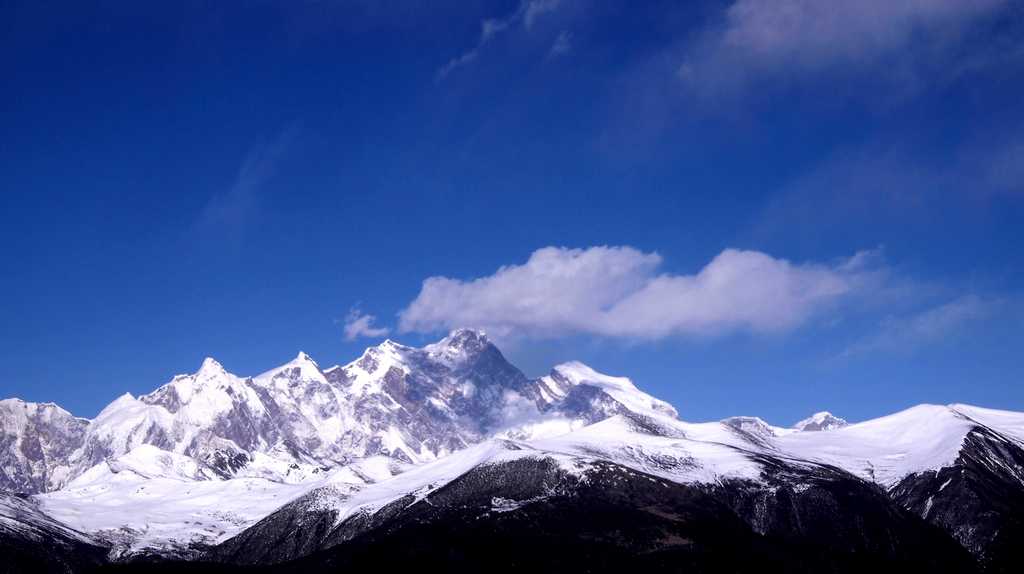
(135, 240)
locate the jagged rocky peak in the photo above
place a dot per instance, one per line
(461, 346)
(16, 408)
(302, 367)
(468, 340)
(823, 421)
(305, 363)
(182, 389)
(463, 353)
(211, 366)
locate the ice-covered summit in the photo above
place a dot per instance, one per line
(460, 346)
(822, 421)
(574, 373)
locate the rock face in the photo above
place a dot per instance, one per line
(36, 444)
(979, 499)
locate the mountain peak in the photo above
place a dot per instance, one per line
(458, 346)
(302, 366)
(305, 363)
(32, 407)
(464, 339)
(751, 425)
(620, 388)
(389, 344)
(579, 372)
(821, 421)
(125, 401)
(210, 366)
(462, 335)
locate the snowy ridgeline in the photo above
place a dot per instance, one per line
(207, 455)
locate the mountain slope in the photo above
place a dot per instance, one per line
(979, 499)
(31, 541)
(537, 513)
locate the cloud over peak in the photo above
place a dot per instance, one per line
(619, 292)
(359, 324)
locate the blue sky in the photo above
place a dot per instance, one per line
(749, 207)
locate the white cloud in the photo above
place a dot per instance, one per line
(792, 36)
(901, 334)
(359, 324)
(618, 292)
(526, 14)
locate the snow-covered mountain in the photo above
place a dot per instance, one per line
(301, 461)
(264, 439)
(292, 422)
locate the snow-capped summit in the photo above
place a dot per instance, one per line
(207, 396)
(302, 363)
(755, 427)
(823, 421)
(563, 377)
(210, 367)
(461, 347)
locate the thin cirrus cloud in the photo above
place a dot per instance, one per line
(875, 183)
(795, 36)
(525, 15)
(232, 209)
(620, 292)
(359, 325)
(908, 333)
(562, 45)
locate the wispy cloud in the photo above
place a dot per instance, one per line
(619, 292)
(784, 38)
(232, 209)
(873, 183)
(1002, 170)
(525, 15)
(562, 45)
(534, 9)
(359, 324)
(907, 333)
